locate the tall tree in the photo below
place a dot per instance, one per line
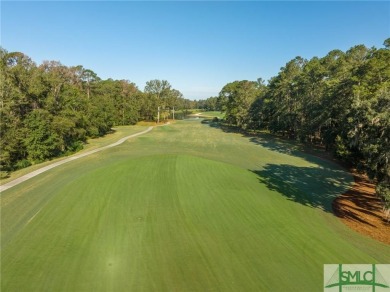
(237, 97)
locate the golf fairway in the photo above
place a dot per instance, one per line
(186, 207)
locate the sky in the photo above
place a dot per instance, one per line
(197, 46)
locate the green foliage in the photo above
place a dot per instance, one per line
(41, 142)
(51, 109)
(22, 164)
(341, 101)
(209, 104)
(236, 99)
(133, 217)
(383, 189)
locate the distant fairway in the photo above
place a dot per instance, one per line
(211, 114)
(186, 207)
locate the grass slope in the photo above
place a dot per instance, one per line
(118, 133)
(186, 207)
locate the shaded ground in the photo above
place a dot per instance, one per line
(358, 208)
(176, 210)
(361, 210)
(308, 186)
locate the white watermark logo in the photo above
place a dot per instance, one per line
(348, 277)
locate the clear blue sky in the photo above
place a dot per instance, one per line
(197, 46)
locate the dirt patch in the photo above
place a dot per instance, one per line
(360, 209)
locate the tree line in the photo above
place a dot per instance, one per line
(340, 101)
(49, 110)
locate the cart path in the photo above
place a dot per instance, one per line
(66, 160)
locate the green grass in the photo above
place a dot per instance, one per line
(212, 114)
(119, 132)
(186, 207)
(207, 114)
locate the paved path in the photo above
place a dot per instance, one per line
(74, 157)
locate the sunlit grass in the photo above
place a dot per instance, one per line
(185, 207)
(115, 135)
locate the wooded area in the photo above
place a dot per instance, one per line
(50, 109)
(340, 101)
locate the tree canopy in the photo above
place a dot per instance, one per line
(341, 101)
(50, 109)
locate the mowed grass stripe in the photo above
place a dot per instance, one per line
(140, 220)
(179, 233)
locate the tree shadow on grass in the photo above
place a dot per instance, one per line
(314, 187)
(310, 153)
(216, 123)
(275, 144)
(322, 187)
(211, 122)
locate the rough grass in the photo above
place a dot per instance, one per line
(118, 132)
(186, 207)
